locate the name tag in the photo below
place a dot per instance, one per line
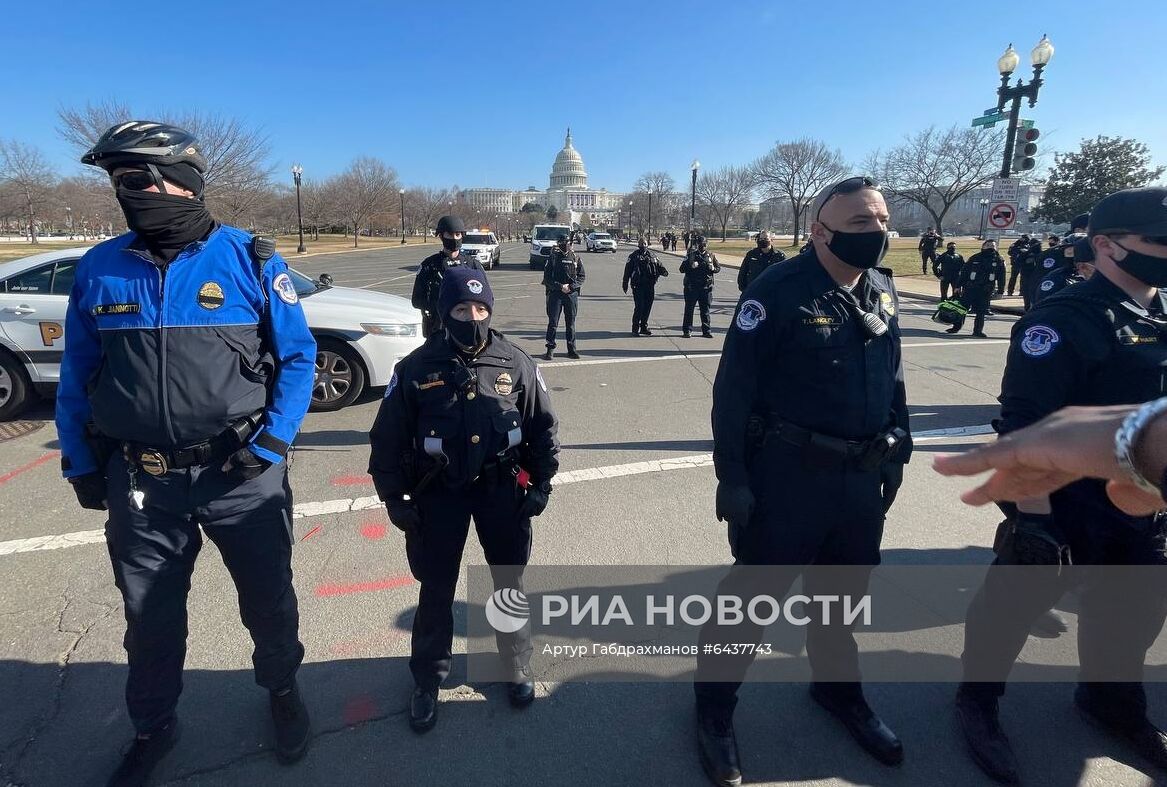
(116, 308)
(822, 319)
(432, 384)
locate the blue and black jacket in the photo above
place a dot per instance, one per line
(168, 356)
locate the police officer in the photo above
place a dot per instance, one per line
(1031, 266)
(699, 267)
(806, 471)
(947, 269)
(450, 231)
(980, 277)
(1017, 251)
(187, 371)
(928, 243)
(563, 278)
(1060, 264)
(757, 260)
(465, 421)
(641, 271)
(1101, 342)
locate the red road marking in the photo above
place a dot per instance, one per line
(388, 583)
(373, 530)
(359, 709)
(352, 480)
(312, 532)
(34, 463)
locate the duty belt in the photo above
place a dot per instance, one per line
(157, 461)
(822, 449)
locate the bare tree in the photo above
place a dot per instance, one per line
(318, 204)
(796, 171)
(237, 169)
(362, 190)
(935, 168)
(425, 205)
(25, 169)
(658, 188)
(725, 192)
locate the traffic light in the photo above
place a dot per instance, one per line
(1026, 149)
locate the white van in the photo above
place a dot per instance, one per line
(543, 238)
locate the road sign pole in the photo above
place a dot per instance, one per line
(1011, 136)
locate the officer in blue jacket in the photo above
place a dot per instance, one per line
(810, 438)
(188, 369)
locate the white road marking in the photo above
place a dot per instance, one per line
(370, 502)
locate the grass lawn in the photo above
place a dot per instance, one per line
(903, 257)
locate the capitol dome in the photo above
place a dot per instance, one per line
(568, 170)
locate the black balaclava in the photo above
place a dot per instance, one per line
(168, 223)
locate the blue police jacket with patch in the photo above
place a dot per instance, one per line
(797, 352)
(170, 355)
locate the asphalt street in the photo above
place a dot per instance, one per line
(629, 400)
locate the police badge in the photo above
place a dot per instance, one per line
(503, 384)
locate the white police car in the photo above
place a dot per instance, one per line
(360, 335)
(601, 241)
(482, 244)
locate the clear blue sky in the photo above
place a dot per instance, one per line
(480, 93)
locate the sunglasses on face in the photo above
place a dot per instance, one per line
(134, 180)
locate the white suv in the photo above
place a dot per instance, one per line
(543, 239)
(360, 334)
(601, 241)
(482, 244)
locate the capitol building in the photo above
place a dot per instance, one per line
(567, 189)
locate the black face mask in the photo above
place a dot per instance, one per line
(468, 335)
(452, 244)
(859, 249)
(642, 247)
(763, 243)
(1147, 268)
(165, 221)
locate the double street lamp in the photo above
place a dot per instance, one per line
(297, 172)
(401, 193)
(1006, 64)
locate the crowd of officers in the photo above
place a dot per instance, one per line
(807, 470)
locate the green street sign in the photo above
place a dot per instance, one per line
(987, 120)
(1025, 124)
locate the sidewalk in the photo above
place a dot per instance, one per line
(924, 288)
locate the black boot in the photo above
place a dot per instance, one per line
(644, 331)
(986, 740)
(547, 356)
(717, 747)
(521, 691)
(685, 333)
(293, 728)
(979, 327)
(865, 727)
(423, 709)
(1133, 729)
(572, 354)
(146, 752)
(706, 333)
(953, 329)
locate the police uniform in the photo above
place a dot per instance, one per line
(1032, 263)
(756, 261)
(699, 267)
(176, 366)
(1017, 251)
(820, 461)
(980, 277)
(641, 271)
(455, 433)
(947, 269)
(563, 267)
(928, 243)
(429, 280)
(1066, 274)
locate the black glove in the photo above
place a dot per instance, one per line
(891, 477)
(735, 503)
(534, 502)
(625, 290)
(404, 516)
(90, 490)
(244, 465)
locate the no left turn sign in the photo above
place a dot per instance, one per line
(1002, 215)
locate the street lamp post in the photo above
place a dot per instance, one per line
(297, 172)
(401, 193)
(693, 198)
(1039, 57)
(69, 217)
(984, 205)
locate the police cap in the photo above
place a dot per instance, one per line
(1131, 211)
(1080, 222)
(1083, 251)
(450, 224)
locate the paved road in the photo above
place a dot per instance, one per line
(628, 400)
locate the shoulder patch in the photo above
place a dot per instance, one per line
(1039, 340)
(1049, 262)
(282, 286)
(539, 377)
(1047, 285)
(392, 385)
(750, 315)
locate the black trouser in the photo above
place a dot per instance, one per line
(642, 298)
(430, 323)
(153, 553)
(1118, 619)
(1030, 276)
(1014, 272)
(925, 256)
(977, 302)
(435, 557)
(944, 285)
(700, 297)
(804, 515)
(566, 303)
